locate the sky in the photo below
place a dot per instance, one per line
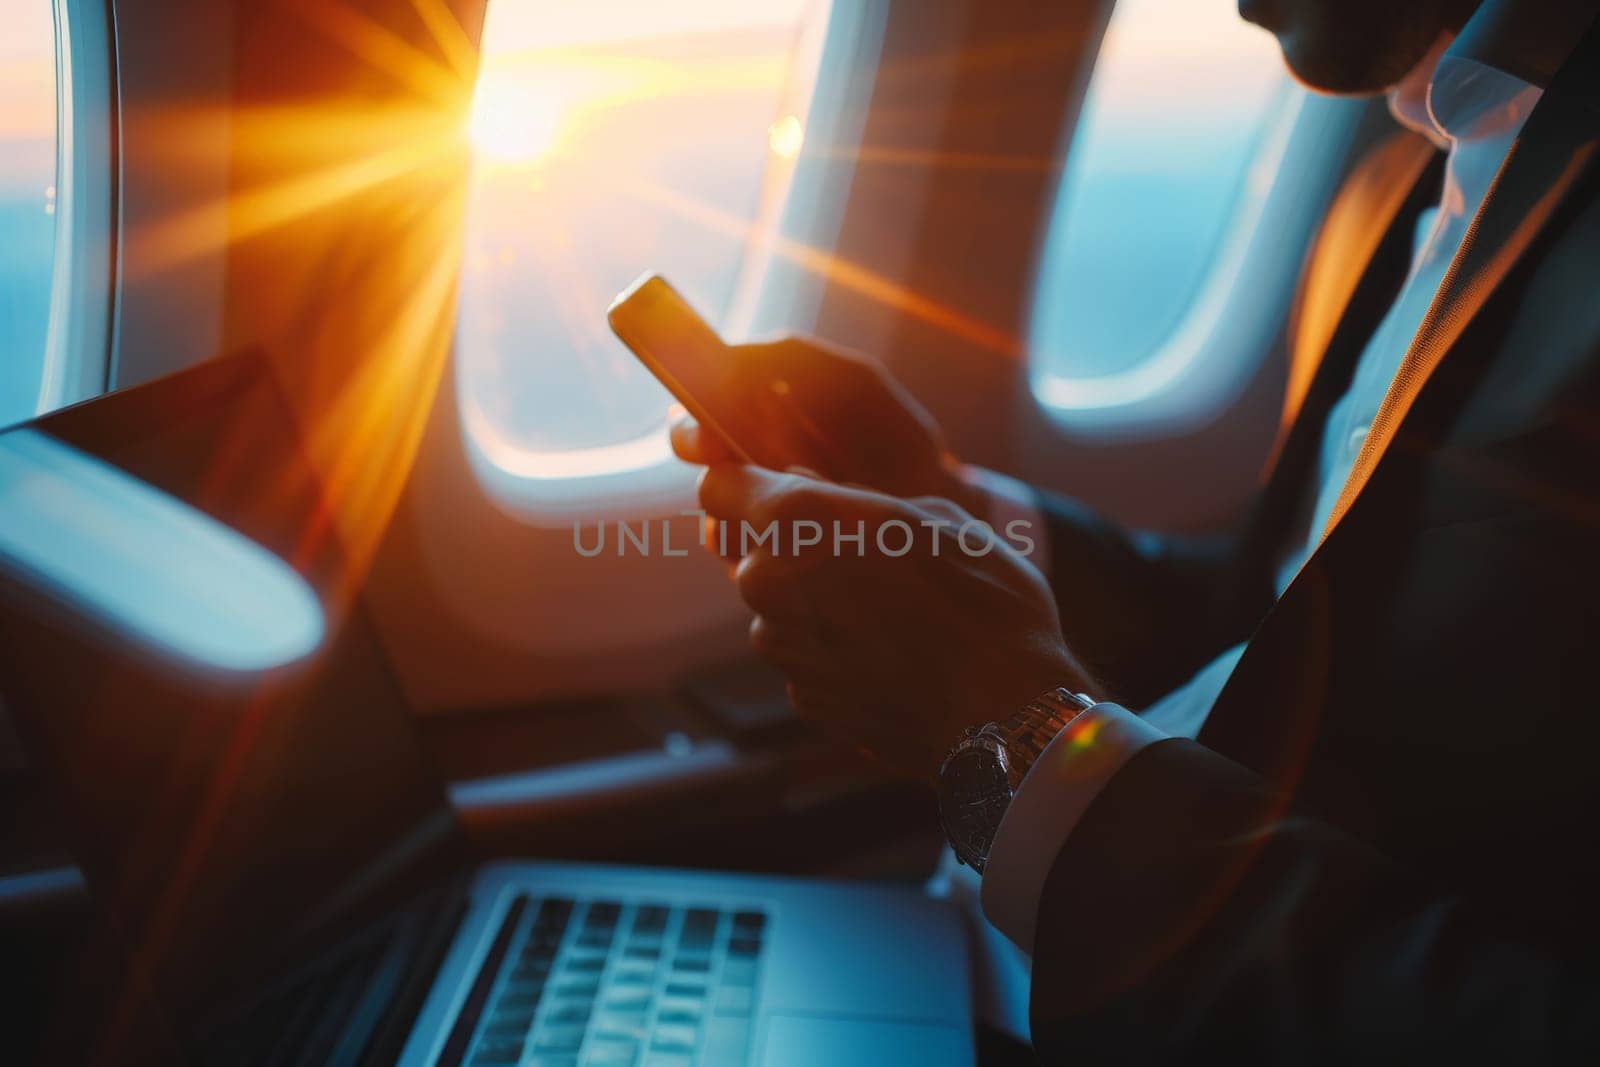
(27, 74)
(27, 172)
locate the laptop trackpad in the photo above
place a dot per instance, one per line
(805, 1041)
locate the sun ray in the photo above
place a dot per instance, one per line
(835, 269)
(446, 31)
(429, 143)
(382, 49)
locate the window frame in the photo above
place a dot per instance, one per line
(1232, 320)
(87, 257)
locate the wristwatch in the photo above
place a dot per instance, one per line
(985, 769)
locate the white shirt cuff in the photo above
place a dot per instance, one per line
(1057, 790)
(1013, 513)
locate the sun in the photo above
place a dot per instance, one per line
(515, 120)
(786, 136)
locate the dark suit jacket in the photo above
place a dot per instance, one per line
(1384, 844)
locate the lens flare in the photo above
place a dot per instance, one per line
(514, 120)
(785, 137)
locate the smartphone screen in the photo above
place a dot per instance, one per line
(686, 355)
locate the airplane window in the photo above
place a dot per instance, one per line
(610, 138)
(27, 200)
(1159, 167)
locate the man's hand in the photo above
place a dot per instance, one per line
(839, 414)
(902, 640)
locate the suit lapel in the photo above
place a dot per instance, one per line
(1543, 165)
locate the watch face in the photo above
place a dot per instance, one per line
(973, 797)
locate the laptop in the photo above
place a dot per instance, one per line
(188, 663)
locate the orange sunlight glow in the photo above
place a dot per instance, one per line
(515, 120)
(786, 136)
(835, 269)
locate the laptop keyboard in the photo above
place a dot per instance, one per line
(635, 984)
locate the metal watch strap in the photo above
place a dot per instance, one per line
(1015, 744)
(1027, 733)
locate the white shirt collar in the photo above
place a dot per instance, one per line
(1469, 100)
(1461, 99)
(1463, 89)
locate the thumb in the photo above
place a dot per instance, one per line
(737, 491)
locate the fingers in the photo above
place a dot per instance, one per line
(786, 434)
(801, 364)
(793, 649)
(775, 588)
(694, 444)
(792, 386)
(942, 508)
(793, 515)
(748, 507)
(737, 493)
(757, 495)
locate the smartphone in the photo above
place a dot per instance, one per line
(685, 354)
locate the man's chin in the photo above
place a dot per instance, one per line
(1311, 64)
(1263, 13)
(1360, 50)
(1332, 76)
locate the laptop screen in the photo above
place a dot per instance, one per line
(184, 657)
